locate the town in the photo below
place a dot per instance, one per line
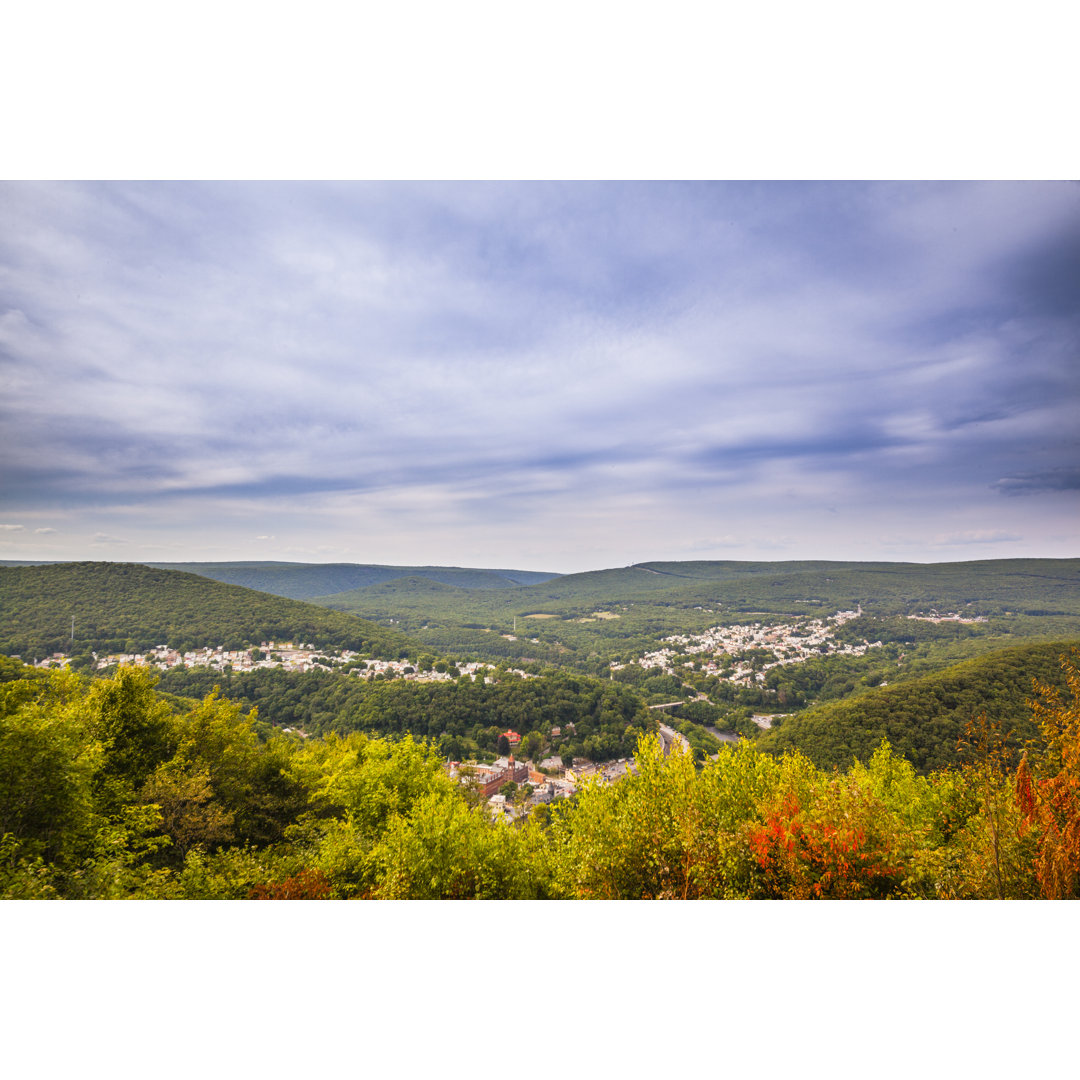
(512, 788)
(729, 648)
(285, 655)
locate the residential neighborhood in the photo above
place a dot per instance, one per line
(286, 655)
(724, 648)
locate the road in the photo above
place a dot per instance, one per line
(669, 736)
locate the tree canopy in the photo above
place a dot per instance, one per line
(109, 790)
(127, 607)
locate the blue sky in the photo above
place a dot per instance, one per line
(556, 376)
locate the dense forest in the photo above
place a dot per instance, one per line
(463, 717)
(110, 790)
(923, 718)
(128, 607)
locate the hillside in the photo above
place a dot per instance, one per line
(1024, 586)
(111, 790)
(302, 581)
(924, 717)
(130, 607)
(569, 714)
(587, 620)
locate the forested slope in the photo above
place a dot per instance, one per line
(109, 791)
(594, 719)
(587, 620)
(924, 717)
(130, 607)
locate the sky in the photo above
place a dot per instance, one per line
(549, 376)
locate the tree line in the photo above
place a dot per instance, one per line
(110, 790)
(463, 717)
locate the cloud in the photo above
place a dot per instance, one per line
(44, 532)
(1063, 479)
(978, 536)
(11, 528)
(105, 538)
(480, 352)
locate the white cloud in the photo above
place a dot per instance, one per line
(440, 353)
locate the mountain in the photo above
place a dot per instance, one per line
(587, 620)
(1034, 586)
(302, 581)
(131, 607)
(923, 718)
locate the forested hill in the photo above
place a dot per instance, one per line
(923, 718)
(128, 607)
(302, 581)
(984, 587)
(585, 621)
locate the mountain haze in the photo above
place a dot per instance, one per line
(302, 581)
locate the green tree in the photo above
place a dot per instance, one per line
(48, 764)
(444, 850)
(531, 746)
(190, 814)
(131, 722)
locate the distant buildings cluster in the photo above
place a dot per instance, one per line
(555, 783)
(287, 655)
(953, 616)
(789, 643)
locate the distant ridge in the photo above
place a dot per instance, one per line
(302, 581)
(1036, 586)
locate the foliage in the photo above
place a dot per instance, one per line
(48, 763)
(304, 885)
(923, 719)
(125, 607)
(108, 791)
(604, 717)
(1050, 800)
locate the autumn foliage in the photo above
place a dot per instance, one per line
(1050, 802)
(305, 885)
(105, 792)
(823, 852)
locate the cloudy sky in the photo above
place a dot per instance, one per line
(545, 376)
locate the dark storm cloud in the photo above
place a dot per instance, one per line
(1043, 278)
(1038, 483)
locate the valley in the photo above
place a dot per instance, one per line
(550, 691)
